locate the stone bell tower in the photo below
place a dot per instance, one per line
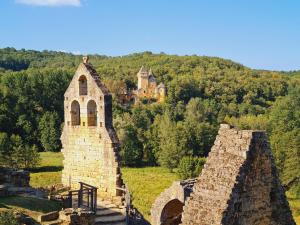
(90, 143)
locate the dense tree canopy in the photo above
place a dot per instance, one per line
(202, 93)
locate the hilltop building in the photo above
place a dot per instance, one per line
(148, 88)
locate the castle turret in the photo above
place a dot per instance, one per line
(143, 76)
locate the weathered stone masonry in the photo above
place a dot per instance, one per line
(239, 184)
(90, 144)
(168, 206)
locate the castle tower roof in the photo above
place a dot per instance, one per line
(143, 72)
(161, 85)
(150, 72)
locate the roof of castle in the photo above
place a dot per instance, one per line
(150, 72)
(143, 70)
(152, 78)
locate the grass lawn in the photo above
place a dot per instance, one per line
(49, 170)
(29, 206)
(295, 207)
(145, 184)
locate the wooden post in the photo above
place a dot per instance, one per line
(70, 199)
(95, 200)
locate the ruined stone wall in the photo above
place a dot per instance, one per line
(172, 196)
(239, 184)
(17, 178)
(90, 152)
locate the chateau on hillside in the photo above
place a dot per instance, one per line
(148, 88)
(90, 143)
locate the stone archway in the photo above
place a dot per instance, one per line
(168, 207)
(171, 213)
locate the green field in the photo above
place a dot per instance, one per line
(145, 184)
(49, 170)
(29, 206)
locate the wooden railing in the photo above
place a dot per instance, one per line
(85, 197)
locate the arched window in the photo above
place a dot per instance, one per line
(75, 113)
(171, 213)
(92, 113)
(82, 85)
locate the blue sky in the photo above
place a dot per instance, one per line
(261, 34)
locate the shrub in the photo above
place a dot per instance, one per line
(190, 167)
(15, 154)
(8, 218)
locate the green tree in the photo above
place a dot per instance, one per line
(28, 157)
(131, 147)
(284, 126)
(49, 128)
(4, 148)
(172, 146)
(190, 167)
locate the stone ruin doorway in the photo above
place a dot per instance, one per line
(172, 212)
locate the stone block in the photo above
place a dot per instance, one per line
(48, 216)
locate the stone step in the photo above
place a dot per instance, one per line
(106, 205)
(110, 211)
(111, 223)
(110, 219)
(54, 222)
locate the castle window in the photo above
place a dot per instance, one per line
(92, 113)
(75, 113)
(82, 85)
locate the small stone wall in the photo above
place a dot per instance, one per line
(239, 184)
(76, 217)
(68, 217)
(17, 178)
(167, 208)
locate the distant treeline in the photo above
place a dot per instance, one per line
(202, 93)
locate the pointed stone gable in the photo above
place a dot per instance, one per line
(239, 184)
(143, 71)
(90, 143)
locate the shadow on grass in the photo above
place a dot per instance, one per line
(46, 169)
(136, 218)
(4, 206)
(29, 203)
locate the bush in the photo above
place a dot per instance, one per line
(190, 167)
(8, 218)
(15, 154)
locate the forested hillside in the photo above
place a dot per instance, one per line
(202, 93)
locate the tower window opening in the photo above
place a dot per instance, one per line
(82, 85)
(92, 113)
